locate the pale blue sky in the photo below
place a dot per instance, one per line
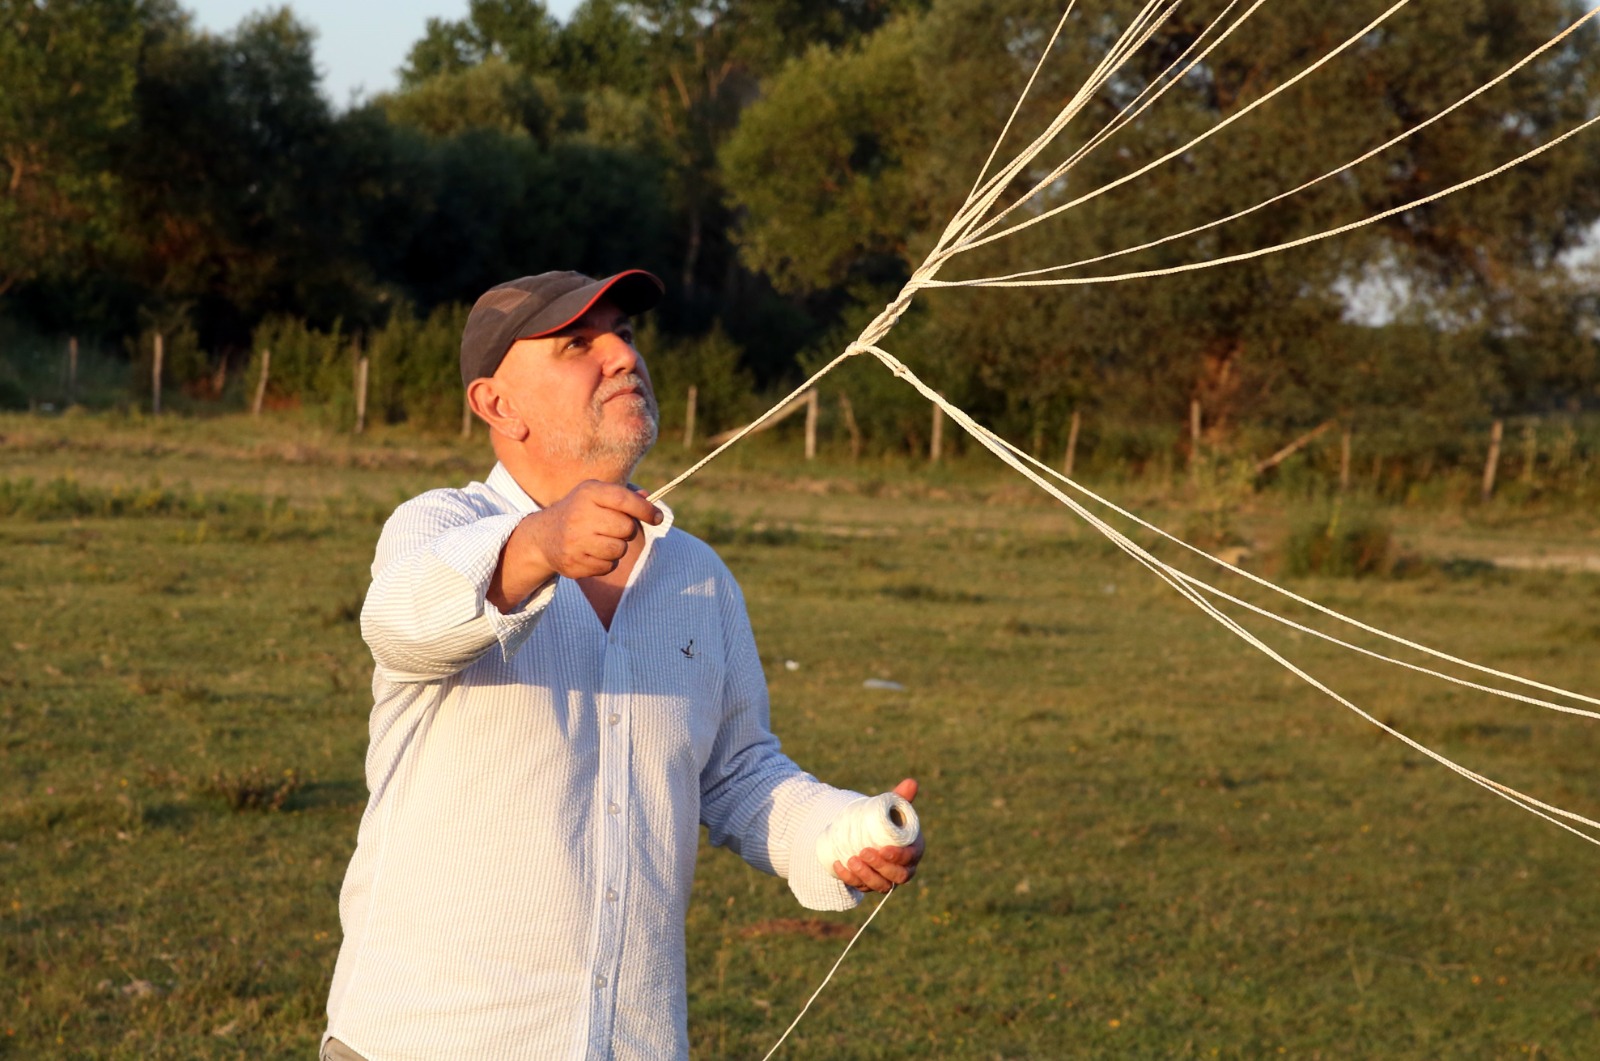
(360, 43)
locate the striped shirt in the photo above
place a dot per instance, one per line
(537, 783)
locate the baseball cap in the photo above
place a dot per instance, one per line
(536, 306)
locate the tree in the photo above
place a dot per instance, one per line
(67, 70)
(232, 198)
(521, 32)
(1246, 340)
(491, 95)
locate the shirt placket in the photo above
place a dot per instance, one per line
(613, 792)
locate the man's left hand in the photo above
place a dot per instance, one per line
(877, 869)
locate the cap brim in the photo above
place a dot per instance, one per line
(632, 291)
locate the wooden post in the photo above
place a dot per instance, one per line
(811, 424)
(688, 415)
(1294, 447)
(72, 370)
(1492, 466)
(1038, 439)
(1344, 460)
(155, 376)
(361, 395)
(1530, 449)
(1072, 443)
(936, 445)
(219, 378)
(261, 383)
(850, 425)
(1194, 437)
(466, 416)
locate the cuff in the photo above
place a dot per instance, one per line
(512, 628)
(812, 883)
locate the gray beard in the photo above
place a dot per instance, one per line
(619, 447)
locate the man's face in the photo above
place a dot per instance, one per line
(585, 392)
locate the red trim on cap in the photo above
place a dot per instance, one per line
(613, 282)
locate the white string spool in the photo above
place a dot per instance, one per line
(888, 820)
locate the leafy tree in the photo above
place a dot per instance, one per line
(491, 95)
(521, 32)
(67, 71)
(231, 199)
(1247, 339)
(819, 167)
(604, 49)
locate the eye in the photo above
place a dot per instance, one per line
(575, 345)
(625, 333)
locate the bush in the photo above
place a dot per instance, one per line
(1340, 545)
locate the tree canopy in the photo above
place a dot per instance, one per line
(784, 164)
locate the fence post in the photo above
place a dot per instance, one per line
(72, 370)
(1072, 443)
(811, 424)
(1194, 438)
(1491, 467)
(261, 383)
(936, 445)
(1344, 460)
(466, 415)
(690, 402)
(1530, 448)
(155, 376)
(361, 395)
(850, 425)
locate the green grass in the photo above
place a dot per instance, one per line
(1145, 840)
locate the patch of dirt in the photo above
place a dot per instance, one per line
(815, 927)
(1551, 562)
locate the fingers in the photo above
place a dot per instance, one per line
(907, 790)
(620, 499)
(879, 869)
(589, 531)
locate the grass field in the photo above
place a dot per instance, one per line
(1145, 840)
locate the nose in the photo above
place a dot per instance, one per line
(617, 355)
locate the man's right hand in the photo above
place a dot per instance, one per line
(584, 534)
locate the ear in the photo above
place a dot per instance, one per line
(492, 407)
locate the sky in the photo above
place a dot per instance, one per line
(360, 43)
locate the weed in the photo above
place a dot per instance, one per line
(255, 788)
(1340, 544)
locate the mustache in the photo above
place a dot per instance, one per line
(615, 386)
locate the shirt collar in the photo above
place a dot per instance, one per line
(503, 483)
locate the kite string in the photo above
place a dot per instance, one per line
(958, 237)
(1137, 106)
(1002, 449)
(1419, 127)
(1276, 247)
(831, 971)
(1323, 609)
(978, 238)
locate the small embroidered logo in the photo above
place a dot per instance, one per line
(688, 650)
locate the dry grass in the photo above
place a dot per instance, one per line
(1144, 840)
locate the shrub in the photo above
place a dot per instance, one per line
(1340, 544)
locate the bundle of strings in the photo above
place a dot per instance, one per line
(887, 820)
(979, 221)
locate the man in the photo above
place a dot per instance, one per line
(565, 689)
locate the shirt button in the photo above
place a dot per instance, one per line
(611, 895)
(599, 981)
(614, 809)
(613, 718)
